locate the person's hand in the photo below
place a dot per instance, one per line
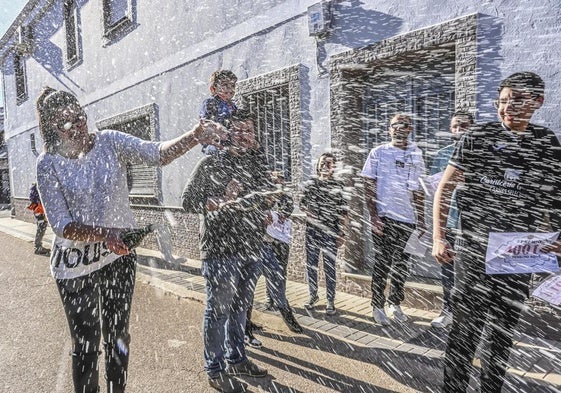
(377, 225)
(210, 133)
(268, 219)
(233, 189)
(442, 251)
(114, 243)
(554, 247)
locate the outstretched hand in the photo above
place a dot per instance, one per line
(554, 247)
(211, 133)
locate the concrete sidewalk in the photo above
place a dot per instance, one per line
(535, 362)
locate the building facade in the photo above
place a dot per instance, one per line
(4, 168)
(319, 75)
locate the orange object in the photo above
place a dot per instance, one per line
(36, 208)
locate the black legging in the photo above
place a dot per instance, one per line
(96, 304)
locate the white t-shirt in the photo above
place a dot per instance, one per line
(90, 190)
(397, 173)
(278, 230)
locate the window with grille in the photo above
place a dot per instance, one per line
(118, 18)
(20, 77)
(428, 101)
(271, 110)
(423, 88)
(71, 20)
(143, 180)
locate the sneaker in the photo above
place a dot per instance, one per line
(394, 310)
(290, 320)
(312, 302)
(42, 251)
(330, 309)
(249, 339)
(442, 321)
(225, 383)
(246, 368)
(380, 317)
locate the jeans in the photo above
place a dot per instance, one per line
(390, 259)
(97, 304)
(480, 300)
(316, 241)
(230, 283)
(275, 276)
(280, 251)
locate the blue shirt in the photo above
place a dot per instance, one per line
(439, 164)
(218, 110)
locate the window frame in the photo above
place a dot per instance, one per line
(20, 78)
(71, 11)
(114, 31)
(292, 77)
(117, 122)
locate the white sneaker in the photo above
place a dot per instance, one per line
(396, 312)
(442, 321)
(380, 317)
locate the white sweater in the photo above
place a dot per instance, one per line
(90, 190)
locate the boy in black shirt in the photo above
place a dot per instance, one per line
(509, 176)
(326, 211)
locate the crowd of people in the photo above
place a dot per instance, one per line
(501, 176)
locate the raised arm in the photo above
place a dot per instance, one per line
(206, 132)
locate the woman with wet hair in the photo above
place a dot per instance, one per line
(82, 179)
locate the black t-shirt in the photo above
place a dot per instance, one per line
(326, 204)
(236, 231)
(512, 182)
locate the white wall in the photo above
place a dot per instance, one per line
(169, 56)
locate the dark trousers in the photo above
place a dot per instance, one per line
(281, 251)
(316, 241)
(95, 305)
(480, 300)
(390, 259)
(41, 228)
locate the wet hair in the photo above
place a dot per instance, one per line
(464, 114)
(401, 117)
(525, 80)
(220, 75)
(324, 155)
(48, 103)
